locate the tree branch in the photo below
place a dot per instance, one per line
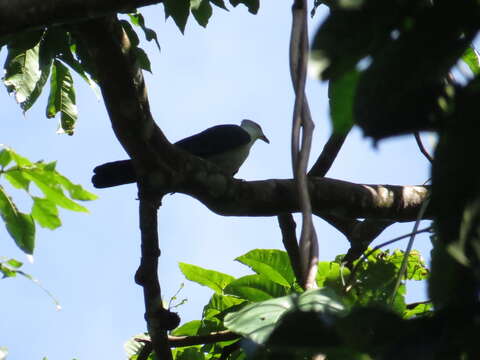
(328, 155)
(20, 15)
(289, 239)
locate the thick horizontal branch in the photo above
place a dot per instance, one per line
(20, 15)
(231, 197)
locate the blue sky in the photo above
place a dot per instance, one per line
(236, 68)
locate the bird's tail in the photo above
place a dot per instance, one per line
(113, 174)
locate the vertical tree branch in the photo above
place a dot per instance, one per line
(159, 320)
(303, 123)
(289, 238)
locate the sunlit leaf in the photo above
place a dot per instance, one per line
(255, 288)
(45, 212)
(213, 279)
(62, 98)
(273, 264)
(20, 226)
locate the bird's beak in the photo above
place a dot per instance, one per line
(264, 138)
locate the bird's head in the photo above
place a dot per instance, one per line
(254, 130)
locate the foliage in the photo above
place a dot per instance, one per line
(56, 189)
(268, 308)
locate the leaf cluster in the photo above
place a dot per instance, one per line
(273, 314)
(56, 191)
(388, 62)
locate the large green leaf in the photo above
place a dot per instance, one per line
(179, 11)
(22, 73)
(62, 98)
(20, 226)
(213, 279)
(258, 320)
(255, 288)
(272, 264)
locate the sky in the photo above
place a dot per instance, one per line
(236, 68)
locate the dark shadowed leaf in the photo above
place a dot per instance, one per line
(201, 11)
(179, 11)
(252, 5)
(258, 320)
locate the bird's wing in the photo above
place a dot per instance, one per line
(215, 140)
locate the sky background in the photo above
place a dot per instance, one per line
(236, 68)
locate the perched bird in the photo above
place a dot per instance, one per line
(227, 146)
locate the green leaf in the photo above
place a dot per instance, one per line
(75, 191)
(213, 279)
(52, 190)
(189, 353)
(472, 59)
(220, 305)
(258, 320)
(201, 11)
(14, 263)
(273, 264)
(142, 58)
(188, 329)
(20, 226)
(255, 288)
(5, 157)
(138, 20)
(45, 212)
(19, 160)
(179, 11)
(16, 178)
(341, 94)
(219, 3)
(22, 68)
(252, 5)
(62, 98)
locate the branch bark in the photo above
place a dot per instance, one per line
(20, 15)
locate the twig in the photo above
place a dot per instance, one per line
(403, 267)
(289, 239)
(214, 337)
(300, 154)
(424, 151)
(182, 341)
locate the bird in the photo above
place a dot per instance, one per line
(227, 146)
